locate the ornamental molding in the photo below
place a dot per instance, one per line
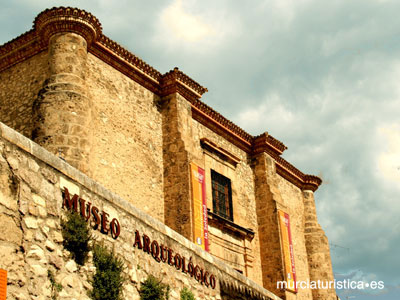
(130, 65)
(295, 176)
(67, 19)
(19, 49)
(225, 155)
(118, 51)
(177, 77)
(266, 143)
(232, 132)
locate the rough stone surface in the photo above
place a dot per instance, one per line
(63, 107)
(36, 248)
(319, 258)
(10, 231)
(127, 156)
(177, 154)
(89, 109)
(243, 254)
(19, 87)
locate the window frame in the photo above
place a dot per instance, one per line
(224, 209)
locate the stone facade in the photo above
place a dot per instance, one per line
(31, 206)
(135, 131)
(18, 91)
(128, 144)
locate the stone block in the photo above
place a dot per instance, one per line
(7, 200)
(31, 222)
(7, 254)
(38, 200)
(72, 188)
(39, 271)
(50, 246)
(36, 253)
(10, 231)
(70, 266)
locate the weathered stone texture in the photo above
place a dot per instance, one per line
(292, 200)
(242, 254)
(62, 111)
(316, 242)
(268, 198)
(127, 134)
(177, 154)
(124, 124)
(36, 245)
(19, 87)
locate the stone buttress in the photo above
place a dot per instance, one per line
(268, 199)
(178, 90)
(176, 155)
(319, 258)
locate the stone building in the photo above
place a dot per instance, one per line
(116, 124)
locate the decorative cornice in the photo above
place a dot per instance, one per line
(19, 49)
(18, 42)
(207, 116)
(311, 182)
(295, 176)
(177, 78)
(225, 155)
(266, 143)
(134, 60)
(67, 19)
(127, 63)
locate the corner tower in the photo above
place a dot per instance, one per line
(63, 110)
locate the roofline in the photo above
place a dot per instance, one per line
(79, 21)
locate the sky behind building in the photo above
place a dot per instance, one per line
(321, 76)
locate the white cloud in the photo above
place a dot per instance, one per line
(264, 116)
(284, 11)
(389, 159)
(184, 25)
(198, 26)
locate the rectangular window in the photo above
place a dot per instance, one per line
(222, 195)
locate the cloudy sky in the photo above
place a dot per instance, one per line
(321, 76)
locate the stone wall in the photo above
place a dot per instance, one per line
(31, 187)
(310, 246)
(127, 137)
(123, 120)
(19, 88)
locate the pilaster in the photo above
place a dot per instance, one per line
(268, 201)
(177, 149)
(178, 92)
(318, 253)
